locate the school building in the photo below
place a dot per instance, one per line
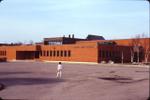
(92, 49)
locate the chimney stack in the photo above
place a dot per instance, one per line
(73, 36)
(69, 36)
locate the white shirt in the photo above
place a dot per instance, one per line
(59, 67)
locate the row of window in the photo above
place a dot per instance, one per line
(2, 53)
(108, 54)
(56, 53)
(54, 43)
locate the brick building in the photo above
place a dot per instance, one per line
(74, 50)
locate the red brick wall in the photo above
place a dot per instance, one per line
(79, 53)
(11, 50)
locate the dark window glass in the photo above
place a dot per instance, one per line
(69, 53)
(110, 54)
(100, 53)
(57, 53)
(5, 53)
(47, 53)
(107, 54)
(65, 53)
(103, 54)
(54, 53)
(44, 53)
(50, 52)
(61, 53)
(40, 53)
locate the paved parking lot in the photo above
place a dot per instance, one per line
(37, 81)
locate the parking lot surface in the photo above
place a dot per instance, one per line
(37, 81)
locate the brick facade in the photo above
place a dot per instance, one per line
(81, 51)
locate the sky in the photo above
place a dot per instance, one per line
(26, 20)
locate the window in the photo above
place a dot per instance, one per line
(69, 53)
(61, 53)
(44, 53)
(100, 53)
(103, 54)
(113, 53)
(107, 54)
(54, 53)
(40, 53)
(110, 54)
(57, 53)
(47, 53)
(50, 52)
(65, 53)
(55, 43)
(4, 53)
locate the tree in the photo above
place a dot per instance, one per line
(135, 51)
(146, 45)
(140, 43)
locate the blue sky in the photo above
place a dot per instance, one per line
(25, 20)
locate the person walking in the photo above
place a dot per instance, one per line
(59, 70)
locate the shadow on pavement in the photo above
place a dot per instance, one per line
(114, 78)
(29, 81)
(9, 73)
(119, 79)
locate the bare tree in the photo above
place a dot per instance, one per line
(146, 45)
(140, 40)
(135, 43)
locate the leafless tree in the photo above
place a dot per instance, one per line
(140, 40)
(135, 43)
(146, 45)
